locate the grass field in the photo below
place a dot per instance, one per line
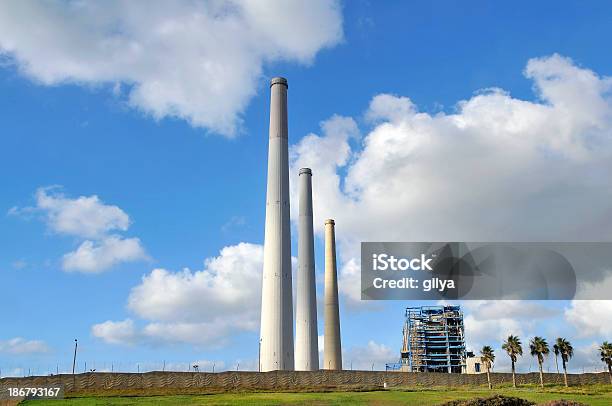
(597, 395)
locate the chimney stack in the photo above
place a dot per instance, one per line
(332, 352)
(276, 339)
(306, 337)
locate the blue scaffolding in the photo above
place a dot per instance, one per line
(434, 340)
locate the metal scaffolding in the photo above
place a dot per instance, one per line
(433, 340)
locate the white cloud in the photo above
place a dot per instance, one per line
(93, 257)
(225, 284)
(116, 332)
(497, 169)
(493, 332)
(214, 333)
(199, 61)
(595, 289)
(513, 309)
(363, 357)
(86, 217)
(204, 307)
(490, 322)
(590, 318)
(20, 345)
(586, 358)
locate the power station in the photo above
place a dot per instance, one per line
(306, 336)
(433, 336)
(276, 339)
(276, 350)
(332, 352)
(433, 340)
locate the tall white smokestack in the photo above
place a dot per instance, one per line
(332, 351)
(306, 337)
(276, 340)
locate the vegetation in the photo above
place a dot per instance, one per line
(566, 351)
(543, 395)
(539, 348)
(556, 352)
(487, 357)
(605, 351)
(596, 395)
(514, 348)
(496, 400)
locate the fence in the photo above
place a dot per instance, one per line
(204, 382)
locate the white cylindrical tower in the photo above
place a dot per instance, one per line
(332, 350)
(276, 339)
(306, 337)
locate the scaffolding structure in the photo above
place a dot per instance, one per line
(433, 340)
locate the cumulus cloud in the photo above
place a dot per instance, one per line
(490, 322)
(84, 216)
(493, 331)
(133, 48)
(515, 309)
(116, 332)
(496, 169)
(202, 307)
(365, 357)
(20, 345)
(91, 220)
(596, 288)
(590, 318)
(586, 359)
(95, 257)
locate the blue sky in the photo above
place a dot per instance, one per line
(165, 120)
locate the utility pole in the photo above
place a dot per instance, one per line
(75, 352)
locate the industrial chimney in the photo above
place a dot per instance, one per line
(306, 337)
(332, 352)
(276, 339)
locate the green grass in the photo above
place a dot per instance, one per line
(590, 395)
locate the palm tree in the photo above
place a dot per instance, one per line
(556, 351)
(514, 348)
(539, 348)
(567, 351)
(606, 356)
(487, 357)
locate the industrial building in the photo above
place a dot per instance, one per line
(306, 333)
(473, 364)
(433, 340)
(276, 350)
(276, 344)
